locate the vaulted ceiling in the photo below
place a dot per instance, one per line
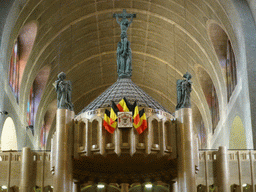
(168, 38)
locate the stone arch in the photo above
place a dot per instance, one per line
(95, 133)
(169, 135)
(82, 135)
(46, 129)
(237, 138)
(210, 93)
(225, 53)
(200, 129)
(35, 94)
(9, 137)
(154, 128)
(22, 47)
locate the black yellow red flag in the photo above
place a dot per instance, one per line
(110, 127)
(122, 106)
(139, 120)
(113, 113)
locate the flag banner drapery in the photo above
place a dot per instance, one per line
(139, 117)
(106, 123)
(122, 106)
(139, 120)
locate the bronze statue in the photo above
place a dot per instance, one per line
(184, 88)
(64, 90)
(124, 52)
(124, 23)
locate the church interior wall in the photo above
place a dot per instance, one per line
(237, 104)
(247, 40)
(240, 102)
(5, 7)
(252, 5)
(222, 136)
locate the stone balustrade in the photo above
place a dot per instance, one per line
(241, 165)
(11, 168)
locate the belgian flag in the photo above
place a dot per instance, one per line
(122, 105)
(110, 118)
(106, 123)
(139, 120)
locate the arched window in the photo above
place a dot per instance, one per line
(20, 54)
(48, 122)
(202, 135)
(226, 56)
(14, 69)
(30, 107)
(237, 138)
(210, 95)
(35, 94)
(199, 127)
(8, 137)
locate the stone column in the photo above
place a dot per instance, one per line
(222, 168)
(26, 183)
(124, 187)
(174, 187)
(63, 177)
(76, 186)
(185, 145)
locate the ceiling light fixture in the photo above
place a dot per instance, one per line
(100, 186)
(148, 185)
(4, 187)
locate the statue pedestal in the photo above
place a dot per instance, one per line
(185, 143)
(63, 177)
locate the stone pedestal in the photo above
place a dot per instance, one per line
(26, 183)
(63, 177)
(223, 170)
(185, 145)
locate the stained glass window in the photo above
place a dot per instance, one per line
(214, 107)
(14, 70)
(231, 78)
(202, 135)
(30, 107)
(43, 136)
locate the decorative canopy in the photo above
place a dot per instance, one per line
(123, 87)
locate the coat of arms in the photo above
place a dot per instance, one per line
(124, 119)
